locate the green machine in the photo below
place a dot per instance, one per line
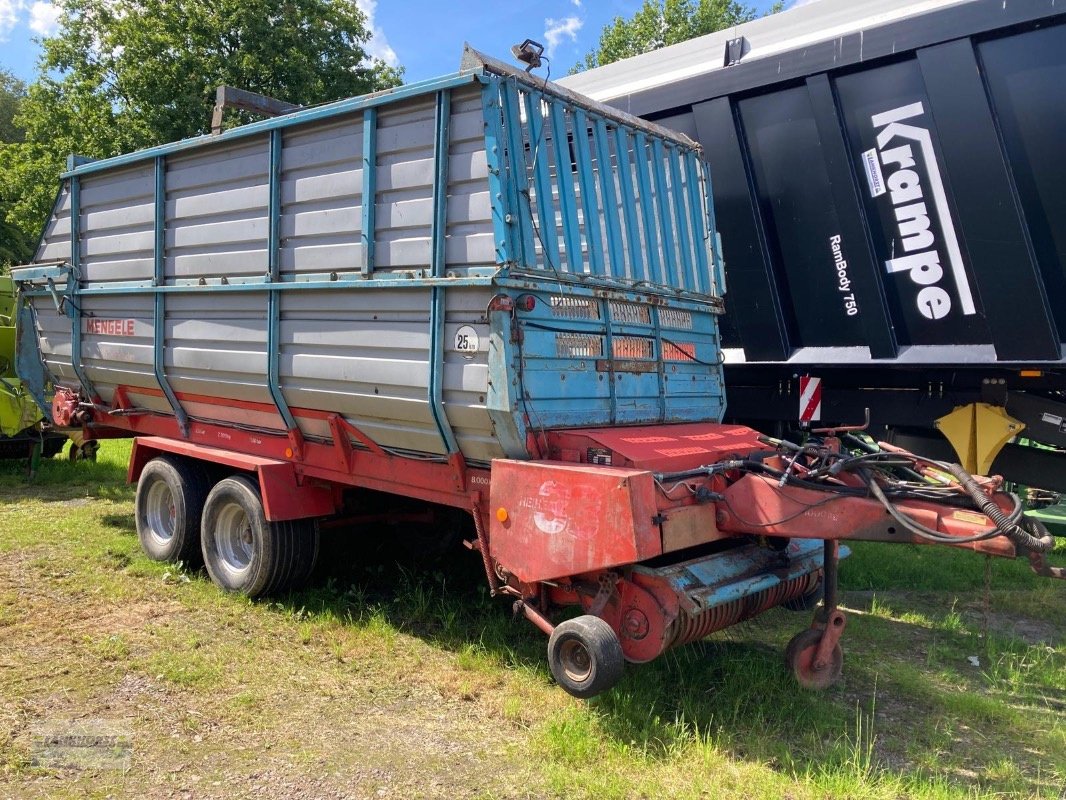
(23, 430)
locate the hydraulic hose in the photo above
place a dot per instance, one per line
(921, 530)
(1013, 531)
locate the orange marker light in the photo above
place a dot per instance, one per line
(501, 514)
(288, 452)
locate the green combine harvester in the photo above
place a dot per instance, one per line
(23, 431)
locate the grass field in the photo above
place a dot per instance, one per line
(385, 680)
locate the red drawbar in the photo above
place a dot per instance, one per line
(755, 504)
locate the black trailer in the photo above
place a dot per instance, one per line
(890, 186)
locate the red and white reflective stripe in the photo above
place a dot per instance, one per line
(810, 409)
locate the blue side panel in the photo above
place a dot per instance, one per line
(623, 142)
(159, 302)
(680, 199)
(591, 358)
(273, 295)
(541, 155)
(29, 364)
(590, 212)
(499, 182)
(697, 212)
(648, 219)
(74, 285)
(438, 237)
(671, 273)
(512, 124)
(567, 197)
(609, 196)
(370, 188)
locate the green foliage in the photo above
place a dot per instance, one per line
(12, 91)
(15, 245)
(659, 23)
(126, 74)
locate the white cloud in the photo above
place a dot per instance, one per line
(378, 46)
(9, 17)
(41, 17)
(577, 3)
(44, 18)
(556, 30)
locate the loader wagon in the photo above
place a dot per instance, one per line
(483, 294)
(888, 180)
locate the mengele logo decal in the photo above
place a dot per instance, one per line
(110, 327)
(914, 196)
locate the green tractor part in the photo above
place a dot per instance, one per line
(23, 430)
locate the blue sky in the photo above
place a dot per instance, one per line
(425, 36)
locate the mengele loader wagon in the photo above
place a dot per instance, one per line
(482, 293)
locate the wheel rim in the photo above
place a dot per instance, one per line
(575, 660)
(233, 537)
(160, 513)
(801, 653)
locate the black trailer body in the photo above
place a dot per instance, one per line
(890, 185)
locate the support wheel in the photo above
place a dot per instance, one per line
(170, 499)
(86, 451)
(585, 656)
(245, 553)
(800, 654)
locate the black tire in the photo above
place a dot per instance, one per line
(170, 500)
(245, 553)
(585, 656)
(309, 539)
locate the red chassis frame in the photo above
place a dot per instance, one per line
(626, 518)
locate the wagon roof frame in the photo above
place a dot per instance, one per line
(476, 67)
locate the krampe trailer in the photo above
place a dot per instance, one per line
(888, 179)
(483, 294)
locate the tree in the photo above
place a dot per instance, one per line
(659, 23)
(15, 245)
(125, 74)
(12, 91)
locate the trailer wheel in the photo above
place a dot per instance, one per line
(585, 656)
(245, 553)
(170, 500)
(799, 655)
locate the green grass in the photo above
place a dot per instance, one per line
(396, 681)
